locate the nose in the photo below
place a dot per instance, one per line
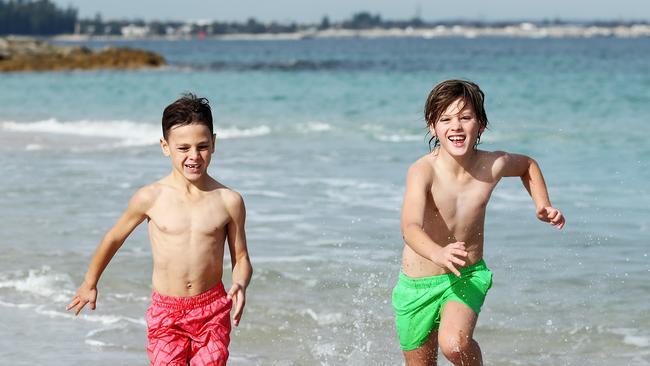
(194, 153)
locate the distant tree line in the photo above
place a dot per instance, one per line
(40, 17)
(97, 26)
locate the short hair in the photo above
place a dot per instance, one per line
(445, 93)
(187, 110)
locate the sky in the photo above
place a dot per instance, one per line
(304, 11)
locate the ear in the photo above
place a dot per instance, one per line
(214, 141)
(164, 146)
(432, 130)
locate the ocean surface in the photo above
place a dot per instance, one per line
(317, 135)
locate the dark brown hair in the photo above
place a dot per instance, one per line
(446, 93)
(187, 110)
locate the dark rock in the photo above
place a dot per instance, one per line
(28, 54)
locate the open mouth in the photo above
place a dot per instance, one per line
(193, 168)
(457, 140)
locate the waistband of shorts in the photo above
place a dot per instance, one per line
(188, 302)
(422, 282)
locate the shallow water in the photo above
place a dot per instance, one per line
(317, 136)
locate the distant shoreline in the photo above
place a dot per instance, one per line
(522, 30)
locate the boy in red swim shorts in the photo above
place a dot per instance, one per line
(190, 216)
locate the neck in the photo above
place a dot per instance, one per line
(457, 165)
(190, 187)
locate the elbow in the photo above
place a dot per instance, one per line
(407, 231)
(531, 166)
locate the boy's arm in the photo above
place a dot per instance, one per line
(418, 182)
(110, 243)
(516, 165)
(241, 265)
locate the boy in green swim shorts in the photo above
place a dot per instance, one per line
(444, 279)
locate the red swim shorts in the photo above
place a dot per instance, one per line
(192, 330)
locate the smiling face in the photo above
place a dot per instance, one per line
(457, 128)
(190, 148)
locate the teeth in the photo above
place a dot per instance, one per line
(457, 138)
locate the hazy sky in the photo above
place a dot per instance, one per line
(312, 11)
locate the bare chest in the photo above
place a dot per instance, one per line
(458, 199)
(177, 216)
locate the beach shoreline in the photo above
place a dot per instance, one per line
(522, 30)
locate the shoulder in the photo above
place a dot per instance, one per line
(496, 157)
(232, 200)
(421, 168)
(505, 163)
(148, 194)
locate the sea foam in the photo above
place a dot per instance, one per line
(126, 132)
(40, 282)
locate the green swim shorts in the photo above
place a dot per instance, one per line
(418, 302)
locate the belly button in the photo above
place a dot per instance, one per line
(189, 285)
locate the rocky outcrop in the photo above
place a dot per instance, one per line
(28, 54)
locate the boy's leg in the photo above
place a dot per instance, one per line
(166, 345)
(214, 353)
(456, 335)
(211, 335)
(426, 354)
(171, 349)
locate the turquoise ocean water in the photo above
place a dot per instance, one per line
(317, 135)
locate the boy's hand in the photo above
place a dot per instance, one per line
(551, 215)
(85, 294)
(237, 293)
(449, 256)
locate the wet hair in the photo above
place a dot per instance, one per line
(444, 94)
(189, 109)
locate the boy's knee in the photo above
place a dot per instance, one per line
(455, 346)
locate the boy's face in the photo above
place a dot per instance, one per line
(457, 128)
(190, 148)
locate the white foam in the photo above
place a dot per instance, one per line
(266, 193)
(324, 349)
(19, 306)
(131, 297)
(638, 341)
(128, 133)
(41, 282)
(314, 126)
(340, 183)
(399, 137)
(108, 319)
(384, 134)
(234, 132)
(33, 147)
(632, 337)
(95, 332)
(323, 319)
(95, 343)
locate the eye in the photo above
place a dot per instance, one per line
(183, 148)
(203, 147)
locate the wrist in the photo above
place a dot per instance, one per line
(241, 284)
(434, 254)
(90, 282)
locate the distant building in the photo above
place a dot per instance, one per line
(134, 31)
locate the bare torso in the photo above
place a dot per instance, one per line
(454, 209)
(187, 234)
